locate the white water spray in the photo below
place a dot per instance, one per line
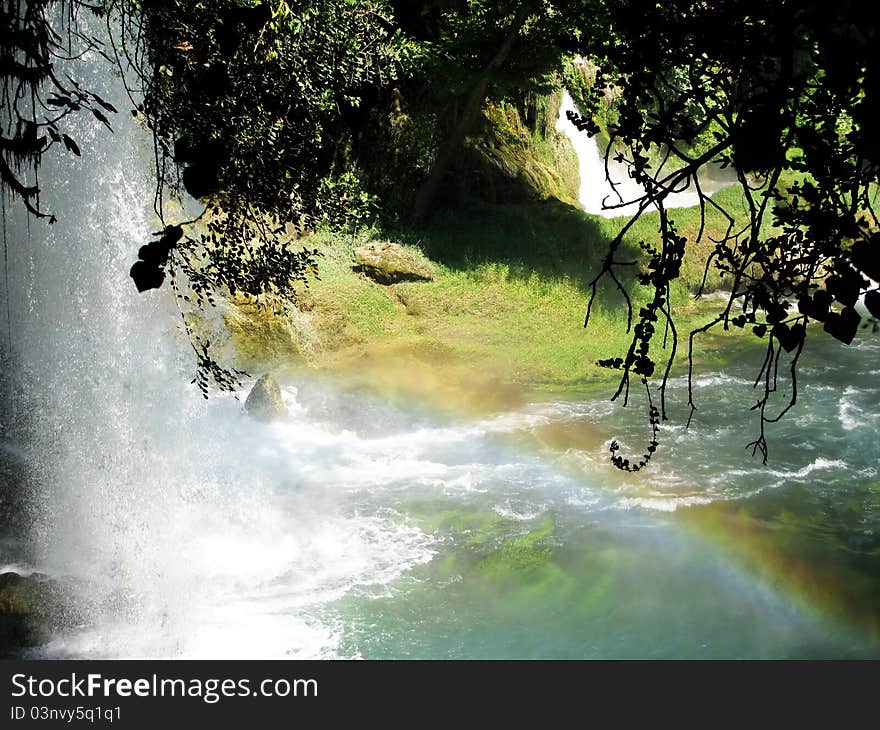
(599, 196)
(181, 527)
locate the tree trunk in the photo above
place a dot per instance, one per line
(428, 191)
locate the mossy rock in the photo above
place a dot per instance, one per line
(264, 402)
(390, 263)
(510, 163)
(262, 336)
(29, 606)
(567, 165)
(489, 554)
(476, 529)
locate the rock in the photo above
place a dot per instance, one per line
(29, 607)
(389, 263)
(264, 401)
(265, 335)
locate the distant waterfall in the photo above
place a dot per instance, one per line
(596, 194)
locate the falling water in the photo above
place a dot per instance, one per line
(613, 194)
(161, 513)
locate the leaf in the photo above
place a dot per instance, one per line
(789, 337)
(101, 118)
(843, 326)
(146, 276)
(866, 257)
(817, 306)
(71, 145)
(107, 105)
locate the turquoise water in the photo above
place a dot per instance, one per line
(368, 528)
(550, 553)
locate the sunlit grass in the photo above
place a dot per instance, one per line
(509, 296)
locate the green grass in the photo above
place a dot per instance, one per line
(511, 288)
(508, 300)
(510, 293)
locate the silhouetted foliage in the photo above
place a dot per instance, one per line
(246, 102)
(37, 95)
(784, 93)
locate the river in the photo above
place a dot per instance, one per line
(373, 528)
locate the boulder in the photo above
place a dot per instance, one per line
(264, 402)
(389, 263)
(29, 607)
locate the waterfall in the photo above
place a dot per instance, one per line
(178, 526)
(99, 392)
(181, 528)
(597, 195)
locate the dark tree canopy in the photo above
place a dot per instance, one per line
(246, 105)
(785, 94)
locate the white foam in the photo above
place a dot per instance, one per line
(520, 513)
(665, 503)
(715, 380)
(246, 584)
(850, 414)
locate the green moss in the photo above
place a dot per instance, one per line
(526, 554)
(512, 162)
(17, 598)
(28, 607)
(492, 550)
(261, 338)
(475, 526)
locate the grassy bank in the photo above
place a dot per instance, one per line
(506, 305)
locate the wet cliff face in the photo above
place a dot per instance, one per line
(513, 155)
(518, 155)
